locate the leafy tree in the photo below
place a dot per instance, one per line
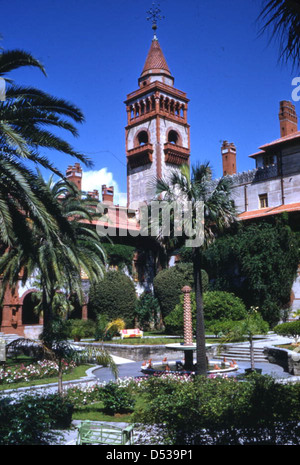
(114, 296)
(257, 262)
(214, 198)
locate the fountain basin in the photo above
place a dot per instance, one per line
(159, 368)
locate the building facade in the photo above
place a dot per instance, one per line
(273, 186)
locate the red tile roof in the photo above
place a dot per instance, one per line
(269, 211)
(155, 59)
(282, 140)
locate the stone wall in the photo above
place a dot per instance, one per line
(287, 359)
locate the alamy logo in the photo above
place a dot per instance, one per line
(2, 90)
(156, 219)
(296, 91)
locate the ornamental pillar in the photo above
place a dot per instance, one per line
(187, 316)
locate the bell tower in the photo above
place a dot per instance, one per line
(157, 133)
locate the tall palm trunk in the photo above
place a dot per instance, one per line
(201, 368)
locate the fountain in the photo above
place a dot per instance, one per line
(187, 366)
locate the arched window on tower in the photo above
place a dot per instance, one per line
(173, 137)
(142, 138)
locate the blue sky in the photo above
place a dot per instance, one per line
(94, 52)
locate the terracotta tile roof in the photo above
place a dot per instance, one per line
(257, 153)
(282, 140)
(155, 59)
(291, 207)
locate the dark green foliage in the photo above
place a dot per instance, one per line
(169, 283)
(81, 328)
(290, 329)
(220, 305)
(217, 306)
(116, 399)
(100, 331)
(119, 255)
(114, 297)
(32, 419)
(224, 411)
(224, 328)
(147, 311)
(258, 262)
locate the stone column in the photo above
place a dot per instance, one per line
(187, 317)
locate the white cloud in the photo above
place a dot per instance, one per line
(94, 179)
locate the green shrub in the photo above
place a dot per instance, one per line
(32, 419)
(223, 411)
(81, 328)
(116, 399)
(290, 329)
(169, 283)
(217, 306)
(114, 297)
(222, 328)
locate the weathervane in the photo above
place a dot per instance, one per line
(154, 16)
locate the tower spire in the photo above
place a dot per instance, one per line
(154, 16)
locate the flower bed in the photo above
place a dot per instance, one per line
(39, 370)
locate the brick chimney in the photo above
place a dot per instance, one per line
(287, 118)
(228, 151)
(74, 174)
(94, 194)
(107, 194)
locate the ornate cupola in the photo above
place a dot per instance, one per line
(157, 132)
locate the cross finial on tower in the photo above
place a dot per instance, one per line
(154, 16)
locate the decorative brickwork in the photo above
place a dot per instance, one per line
(187, 317)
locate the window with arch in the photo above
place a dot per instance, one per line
(142, 138)
(173, 137)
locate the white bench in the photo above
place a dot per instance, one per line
(126, 333)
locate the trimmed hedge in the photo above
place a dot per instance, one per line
(114, 297)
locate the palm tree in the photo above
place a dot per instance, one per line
(24, 115)
(199, 189)
(282, 17)
(26, 112)
(59, 258)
